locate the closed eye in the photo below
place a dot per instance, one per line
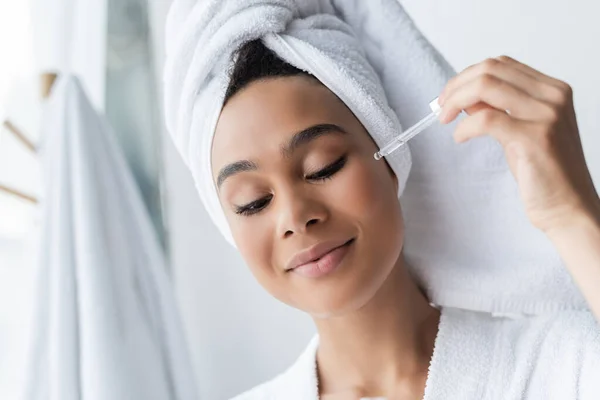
(330, 170)
(324, 174)
(253, 207)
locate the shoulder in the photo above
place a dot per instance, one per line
(566, 330)
(265, 391)
(572, 339)
(561, 325)
(297, 382)
(283, 386)
(557, 354)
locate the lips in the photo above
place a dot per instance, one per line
(320, 258)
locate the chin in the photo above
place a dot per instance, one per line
(347, 289)
(340, 299)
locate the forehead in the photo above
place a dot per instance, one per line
(262, 116)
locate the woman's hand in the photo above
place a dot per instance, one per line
(538, 131)
(533, 118)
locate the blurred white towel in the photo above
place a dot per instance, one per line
(106, 325)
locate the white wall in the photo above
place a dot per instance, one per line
(238, 335)
(19, 169)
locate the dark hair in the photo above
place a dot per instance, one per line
(254, 61)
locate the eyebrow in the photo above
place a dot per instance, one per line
(299, 139)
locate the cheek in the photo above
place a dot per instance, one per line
(367, 196)
(254, 240)
(367, 193)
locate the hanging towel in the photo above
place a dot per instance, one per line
(468, 242)
(106, 323)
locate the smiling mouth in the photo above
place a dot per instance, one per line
(325, 264)
(345, 244)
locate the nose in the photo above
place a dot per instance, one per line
(298, 211)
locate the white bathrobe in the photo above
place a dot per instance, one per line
(483, 357)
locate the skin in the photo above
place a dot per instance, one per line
(377, 329)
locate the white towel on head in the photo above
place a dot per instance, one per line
(202, 38)
(468, 241)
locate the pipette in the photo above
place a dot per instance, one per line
(411, 132)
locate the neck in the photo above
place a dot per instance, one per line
(384, 347)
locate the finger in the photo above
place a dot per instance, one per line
(534, 73)
(554, 90)
(491, 66)
(490, 122)
(498, 94)
(476, 108)
(457, 80)
(506, 72)
(538, 85)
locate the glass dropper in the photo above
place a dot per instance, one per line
(411, 132)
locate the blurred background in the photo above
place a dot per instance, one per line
(236, 334)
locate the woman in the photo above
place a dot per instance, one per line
(283, 161)
(298, 182)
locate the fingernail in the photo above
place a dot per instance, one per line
(443, 115)
(441, 99)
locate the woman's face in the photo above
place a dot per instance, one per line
(295, 169)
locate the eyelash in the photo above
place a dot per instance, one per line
(322, 175)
